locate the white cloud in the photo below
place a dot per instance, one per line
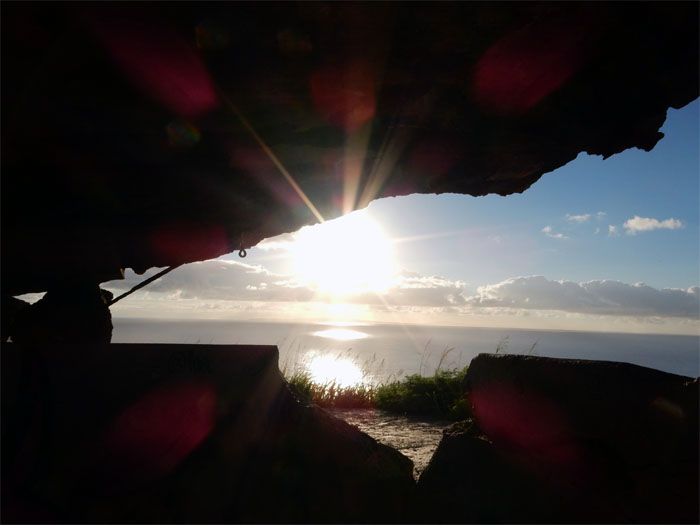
(585, 217)
(593, 297)
(280, 242)
(644, 224)
(417, 290)
(597, 231)
(612, 231)
(578, 218)
(547, 230)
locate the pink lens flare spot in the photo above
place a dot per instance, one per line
(345, 95)
(160, 63)
(525, 66)
(436, 157)
(185, 242)
(529, 426)
(153, 435)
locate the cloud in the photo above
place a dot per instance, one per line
(236, 281)
(578, 218)
(612, 231)
(602, 297)
(284, 241)
(221, 279)
(644, 224)
(416, 290)
(547, 230)
(584, 217)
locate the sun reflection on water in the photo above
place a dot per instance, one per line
(341, 334)
(326, 369)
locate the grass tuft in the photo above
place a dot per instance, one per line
(331, 395)
(437, 396)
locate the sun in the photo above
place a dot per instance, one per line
(343, 256)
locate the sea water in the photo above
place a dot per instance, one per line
(386, 350)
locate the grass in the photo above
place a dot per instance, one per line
(331, 395)
(438, 395)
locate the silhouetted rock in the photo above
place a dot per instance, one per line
(469, 481)
(557, 440)
(68, 313)
(11, 307)
(182, 433)
(120, 152)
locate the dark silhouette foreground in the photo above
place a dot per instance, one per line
(210, 434)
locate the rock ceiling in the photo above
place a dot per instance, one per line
(139, 135)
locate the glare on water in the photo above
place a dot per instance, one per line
(329, 369)
(341, 334)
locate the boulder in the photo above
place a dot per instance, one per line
(468, 480)
(185, 433)
(558, 440)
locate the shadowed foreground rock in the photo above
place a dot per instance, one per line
(186, 433)
(556, 440)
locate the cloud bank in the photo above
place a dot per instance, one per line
(593, 297)
(236, 281)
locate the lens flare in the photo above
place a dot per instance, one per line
(182, 134)
(527, 65)
(159, 62)
(345, 95)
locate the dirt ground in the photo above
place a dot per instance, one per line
(415, 438)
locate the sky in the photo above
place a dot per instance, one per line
(604, 245)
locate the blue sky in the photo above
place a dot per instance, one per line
(504, 235)
(568, 253)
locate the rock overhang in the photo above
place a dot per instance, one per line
(135, 136)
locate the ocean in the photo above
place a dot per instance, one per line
(384, 351)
